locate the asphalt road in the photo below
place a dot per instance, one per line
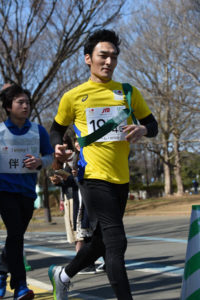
(154, 260)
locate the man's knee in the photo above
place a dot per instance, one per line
(115, 239)
(97, 244)
(15, 237)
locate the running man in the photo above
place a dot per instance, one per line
(25, 149)
(103, 164)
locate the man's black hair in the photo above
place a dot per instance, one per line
(103, 35)
(8, 94)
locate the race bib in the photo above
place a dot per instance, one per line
(12, 158)
(98, 116)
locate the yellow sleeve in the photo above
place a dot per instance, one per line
(139, 105)
(65, 114)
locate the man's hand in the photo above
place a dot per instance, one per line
(64, 174)
(32, 162)
(62, 154)
(56, 179)
(134, 132)
(74, 172)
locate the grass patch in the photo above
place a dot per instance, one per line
(169, 203)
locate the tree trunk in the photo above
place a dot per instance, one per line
(47, 211)
(167, 170)
(177, 168)
(168, 183)
(146, 166)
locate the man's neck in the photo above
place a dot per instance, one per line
(94, 78)
(18, 122)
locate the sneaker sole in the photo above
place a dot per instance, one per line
(100, 271)
(85, 273)
(50, 274)
(29, 296)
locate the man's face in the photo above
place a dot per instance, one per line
(102, 62)
(20, 107)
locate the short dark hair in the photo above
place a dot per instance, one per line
(8, 94)
(103, 35)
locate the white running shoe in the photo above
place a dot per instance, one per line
(101, 268)
(88, 270)
(60, 289)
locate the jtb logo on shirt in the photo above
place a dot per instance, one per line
(106, 110)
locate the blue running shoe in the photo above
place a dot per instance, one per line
(59, 288)
(2, 285)
(22, 292)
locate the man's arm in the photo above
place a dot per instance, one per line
(148, 127)
(151, 125)
(57, 132)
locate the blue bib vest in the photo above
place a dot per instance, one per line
(14, 148)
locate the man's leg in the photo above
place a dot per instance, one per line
(116, 243)
(3, 263)
(87, 255)
(16, 212)
(106, 203)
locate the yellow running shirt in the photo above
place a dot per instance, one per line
(88, 106)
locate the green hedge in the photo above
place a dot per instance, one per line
(157, 189)
(154, 190)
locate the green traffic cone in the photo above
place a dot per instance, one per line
(190, 284)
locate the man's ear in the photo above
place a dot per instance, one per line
(88, 59)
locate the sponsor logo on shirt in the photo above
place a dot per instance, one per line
(118, 92)
(118, 95)
(91, 111)
(84, 98)
(4, 149)
(105, 110)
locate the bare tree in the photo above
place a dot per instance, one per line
(154, 50)
(189, 17)
(39, 45)
(39, 38)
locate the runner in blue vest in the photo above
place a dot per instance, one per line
(24, 150)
